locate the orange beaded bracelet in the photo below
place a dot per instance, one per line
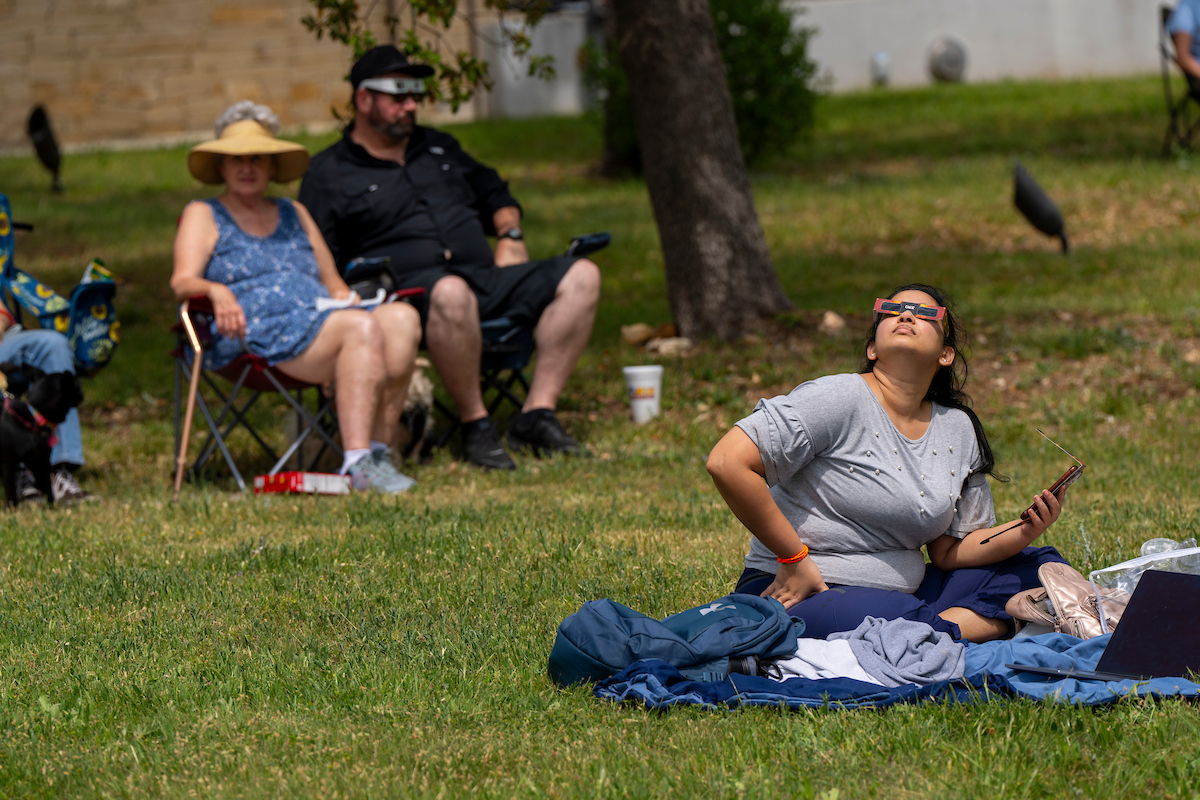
(798, 557)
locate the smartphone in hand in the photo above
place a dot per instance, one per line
(1068, 477)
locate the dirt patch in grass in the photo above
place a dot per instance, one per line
(1114, 375)
(1025, 362)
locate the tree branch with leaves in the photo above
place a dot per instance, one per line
(458, 73)
(720, 279)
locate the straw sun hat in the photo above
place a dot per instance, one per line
(247, 137)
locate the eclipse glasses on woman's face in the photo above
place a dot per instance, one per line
(898, 307)
(399, 88)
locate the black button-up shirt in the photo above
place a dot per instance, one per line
(434, 210)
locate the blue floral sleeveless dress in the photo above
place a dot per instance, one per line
(275, 279)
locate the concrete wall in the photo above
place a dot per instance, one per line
(1018, 39)
(514, 93)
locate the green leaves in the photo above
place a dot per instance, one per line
(420, 28)
(772, 82)
(340, 21)
(771, 79)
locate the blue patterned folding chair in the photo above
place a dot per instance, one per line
(88, 318)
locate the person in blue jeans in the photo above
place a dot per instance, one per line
(48, 351)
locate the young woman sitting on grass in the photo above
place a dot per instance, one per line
(843, 481)
(263, 264)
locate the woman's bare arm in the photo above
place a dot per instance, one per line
(947, 552)
(1183, 53)
(195, 240)
(736, 468)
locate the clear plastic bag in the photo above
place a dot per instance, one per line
(1114, 585)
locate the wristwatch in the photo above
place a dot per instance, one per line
(515, 234)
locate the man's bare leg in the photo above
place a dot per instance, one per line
(563, 332)
(455, 343)
(975, 627)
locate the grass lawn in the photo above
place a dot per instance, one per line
(233, 646)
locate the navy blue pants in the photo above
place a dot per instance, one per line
(984, 590)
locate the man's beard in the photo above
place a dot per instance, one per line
(397, 131)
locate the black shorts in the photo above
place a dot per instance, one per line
(520, 292)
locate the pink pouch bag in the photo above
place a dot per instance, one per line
(1065, 602)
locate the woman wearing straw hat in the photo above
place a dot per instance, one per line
(263, 264)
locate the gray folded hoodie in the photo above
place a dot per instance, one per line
(902, 651)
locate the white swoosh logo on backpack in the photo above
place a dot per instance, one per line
(716, 607)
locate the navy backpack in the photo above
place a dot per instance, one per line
(605, 637)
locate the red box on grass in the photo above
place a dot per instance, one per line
(302, 483)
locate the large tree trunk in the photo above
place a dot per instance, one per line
(720, 280)
(622, 156)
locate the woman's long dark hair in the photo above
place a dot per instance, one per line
(947, 386)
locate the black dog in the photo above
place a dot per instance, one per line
(27, 425)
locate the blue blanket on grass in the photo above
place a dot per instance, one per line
(659, 685)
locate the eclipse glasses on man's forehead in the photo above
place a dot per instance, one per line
(395, 86)
(898, 307)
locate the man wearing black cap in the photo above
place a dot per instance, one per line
(393, 188)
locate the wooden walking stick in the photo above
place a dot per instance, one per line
(193, 387)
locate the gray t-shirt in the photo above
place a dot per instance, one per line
(862, 496)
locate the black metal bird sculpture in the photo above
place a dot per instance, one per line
(1033, 202)
(45, 144)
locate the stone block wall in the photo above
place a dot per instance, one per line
(142, 71)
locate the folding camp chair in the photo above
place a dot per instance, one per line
(507, 349)
(251, 374)
(1183, 112)
(250, 377)
(507, 344)
(88, 317)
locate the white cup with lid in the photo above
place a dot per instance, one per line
(644, 385)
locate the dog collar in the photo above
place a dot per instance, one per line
(39, 421)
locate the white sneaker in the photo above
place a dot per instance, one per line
(375, 471)
(67, 490)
